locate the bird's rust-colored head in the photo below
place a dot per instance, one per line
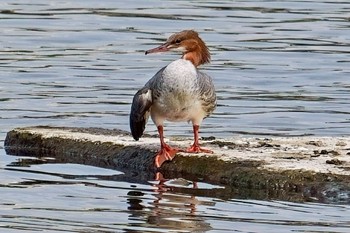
(189, 43)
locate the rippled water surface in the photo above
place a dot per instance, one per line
(280, 68)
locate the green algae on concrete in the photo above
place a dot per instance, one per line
(76, 150)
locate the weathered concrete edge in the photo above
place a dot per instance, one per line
(115, 149)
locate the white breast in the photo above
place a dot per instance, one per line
(179, 74)
(178, 100)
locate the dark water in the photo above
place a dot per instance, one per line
(280, 68)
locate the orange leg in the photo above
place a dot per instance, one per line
(166, 152)
(195, 148)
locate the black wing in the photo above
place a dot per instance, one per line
(140, 110)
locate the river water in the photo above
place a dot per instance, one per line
(280, 68)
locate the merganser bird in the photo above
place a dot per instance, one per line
(177, 92)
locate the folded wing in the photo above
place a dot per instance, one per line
(207, 92)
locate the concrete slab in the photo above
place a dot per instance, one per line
(289, 163)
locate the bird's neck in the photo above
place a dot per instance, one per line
(198, 54)
(194, 58)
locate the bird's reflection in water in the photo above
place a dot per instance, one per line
(168, 208)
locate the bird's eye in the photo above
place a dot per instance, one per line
(177, 41)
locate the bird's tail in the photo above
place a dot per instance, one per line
(140, 110)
